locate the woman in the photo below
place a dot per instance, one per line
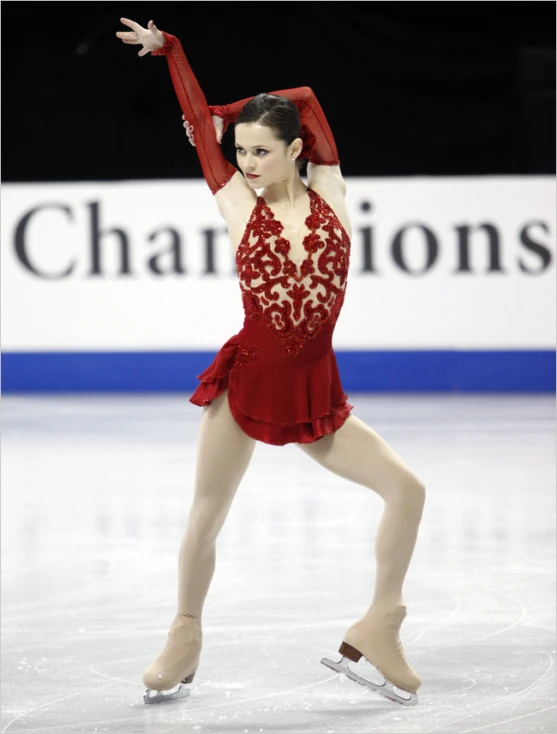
(277, 381)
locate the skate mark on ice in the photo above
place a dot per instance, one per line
(64, 596)
(266, 652)
(473, 709)
(508, 721)
(254, 698)
(50, 703)
(203, 710)
(426, 627)
(510, 626)
(446, 646)
(482, 707)
(112, 677)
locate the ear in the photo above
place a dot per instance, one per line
(296, 148)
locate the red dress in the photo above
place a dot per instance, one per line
(280, 369)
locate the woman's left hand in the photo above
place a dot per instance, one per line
(150, 38)
(217, 122)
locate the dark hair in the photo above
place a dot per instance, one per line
(278, 113)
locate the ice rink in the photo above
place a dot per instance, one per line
(95, 497)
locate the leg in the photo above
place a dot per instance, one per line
(223, 455)
(355, 452)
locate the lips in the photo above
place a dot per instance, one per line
(251, 175)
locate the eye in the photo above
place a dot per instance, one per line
(259, 150)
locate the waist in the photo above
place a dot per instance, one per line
(287, 349)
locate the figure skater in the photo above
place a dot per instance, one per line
(277, 380)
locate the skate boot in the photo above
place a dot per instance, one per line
(375, 637)
(170, 676)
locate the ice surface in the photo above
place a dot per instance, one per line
(96, 493)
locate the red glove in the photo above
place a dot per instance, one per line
(319, 143)
(216, 169)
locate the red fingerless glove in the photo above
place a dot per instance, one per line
(319, 143)
(216, 169)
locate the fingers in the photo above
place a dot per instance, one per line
(125, 36)
(131, 24)
(189, 130)
(143, 52)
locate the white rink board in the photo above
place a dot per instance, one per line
(388, 308)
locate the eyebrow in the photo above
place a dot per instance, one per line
(263, 145)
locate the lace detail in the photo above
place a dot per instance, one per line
(218, 110)
(223, 183)
(168, 43)
(295, 299)
(245, 353)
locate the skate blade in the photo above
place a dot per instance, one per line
(173, 694)
(386, 689)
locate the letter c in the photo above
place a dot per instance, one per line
(20, 243)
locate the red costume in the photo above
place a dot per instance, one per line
(280, 369)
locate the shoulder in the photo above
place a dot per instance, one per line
(236, 202)
(328, 178)
(328, 182)
(236, 199)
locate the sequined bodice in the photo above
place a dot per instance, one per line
(295, 299)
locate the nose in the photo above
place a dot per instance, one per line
(248, 166)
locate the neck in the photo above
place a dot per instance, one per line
(285, 193)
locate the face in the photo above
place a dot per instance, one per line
(259, 152)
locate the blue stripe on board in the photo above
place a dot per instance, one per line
(385, 371)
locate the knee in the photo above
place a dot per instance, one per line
(205, 523)
(411, 493)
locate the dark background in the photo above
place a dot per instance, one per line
(409, 88)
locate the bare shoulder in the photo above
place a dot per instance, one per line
(235, 202)
(328, 182)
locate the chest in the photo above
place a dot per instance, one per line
(288, 230)
(292, 240)
(311, 251)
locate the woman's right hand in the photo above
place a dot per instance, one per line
(150, 38)
(218, 122)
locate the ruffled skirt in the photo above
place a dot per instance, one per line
(272, 403)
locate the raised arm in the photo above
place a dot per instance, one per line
(323, 150)
(216, 169)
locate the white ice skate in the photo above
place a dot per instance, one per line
(171, 675)
(182, 690)
(375, 638)
(386, 689)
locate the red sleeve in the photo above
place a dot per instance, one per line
(321, 147)
(216, 169)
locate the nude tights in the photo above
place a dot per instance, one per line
(354, 452)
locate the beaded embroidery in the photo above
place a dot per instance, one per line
(295, 299)
(244, 354)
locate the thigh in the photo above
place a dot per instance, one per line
(357, 453)
(224, 452)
